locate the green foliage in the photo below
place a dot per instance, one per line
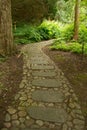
(67, 32)
(82, 34)
(49, 29)
(28, 33)
(72, 47)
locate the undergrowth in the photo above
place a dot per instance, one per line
(26, 33)
(74, 47)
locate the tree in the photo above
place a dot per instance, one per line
(6, 37)
(76, 21)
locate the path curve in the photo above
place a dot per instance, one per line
(46, 100)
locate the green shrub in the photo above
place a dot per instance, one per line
(27, 34)
(82, 34)
(49, 30)
(72, 47)
(67, 32)
(46, 30)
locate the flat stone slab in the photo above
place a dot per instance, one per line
(58, 115)
(46, 83)
(42, 67)
(44, 73)
(47, 96)
(38, 62)
(38, 129)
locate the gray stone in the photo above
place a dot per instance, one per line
(78, 121)
(11, 110)
(39, 122)
(15, 116)
(44, 73)
(22, 113)
(37, 129)
(15, 123)
(8, 124)
(42, 67)
(7, 117)
(46, 83)
(24, 98)
(48, 114)
(47, 96)
(64, 127)
(38, 61)
(29, 122)
(14, 128)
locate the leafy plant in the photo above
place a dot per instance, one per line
(72, 47)
(49, 30)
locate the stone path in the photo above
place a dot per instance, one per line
(46, 100)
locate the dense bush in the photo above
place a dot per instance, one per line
(28, 33)
(72, 47)
(68, 32)
(49, 30)
(83, 34)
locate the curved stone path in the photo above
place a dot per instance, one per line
(46, 100)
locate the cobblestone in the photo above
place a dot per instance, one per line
(37, 109)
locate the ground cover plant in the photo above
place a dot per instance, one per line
(26, 33)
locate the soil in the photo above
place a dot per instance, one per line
(10, 78)
(74, 67)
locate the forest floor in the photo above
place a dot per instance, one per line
(73, 66)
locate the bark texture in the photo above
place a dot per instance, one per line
(6, 36)
(76, 21)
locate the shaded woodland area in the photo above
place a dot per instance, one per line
(25, 22)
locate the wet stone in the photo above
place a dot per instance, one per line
(47, 96)
(42, 67)
(48, 114)
(44, 73)
(46, 83)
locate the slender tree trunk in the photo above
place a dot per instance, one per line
(76, 21)
(6, 37)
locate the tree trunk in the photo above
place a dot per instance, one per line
(6, 37)
(76, 21)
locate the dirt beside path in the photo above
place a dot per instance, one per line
(75, 69)
(10, 77)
